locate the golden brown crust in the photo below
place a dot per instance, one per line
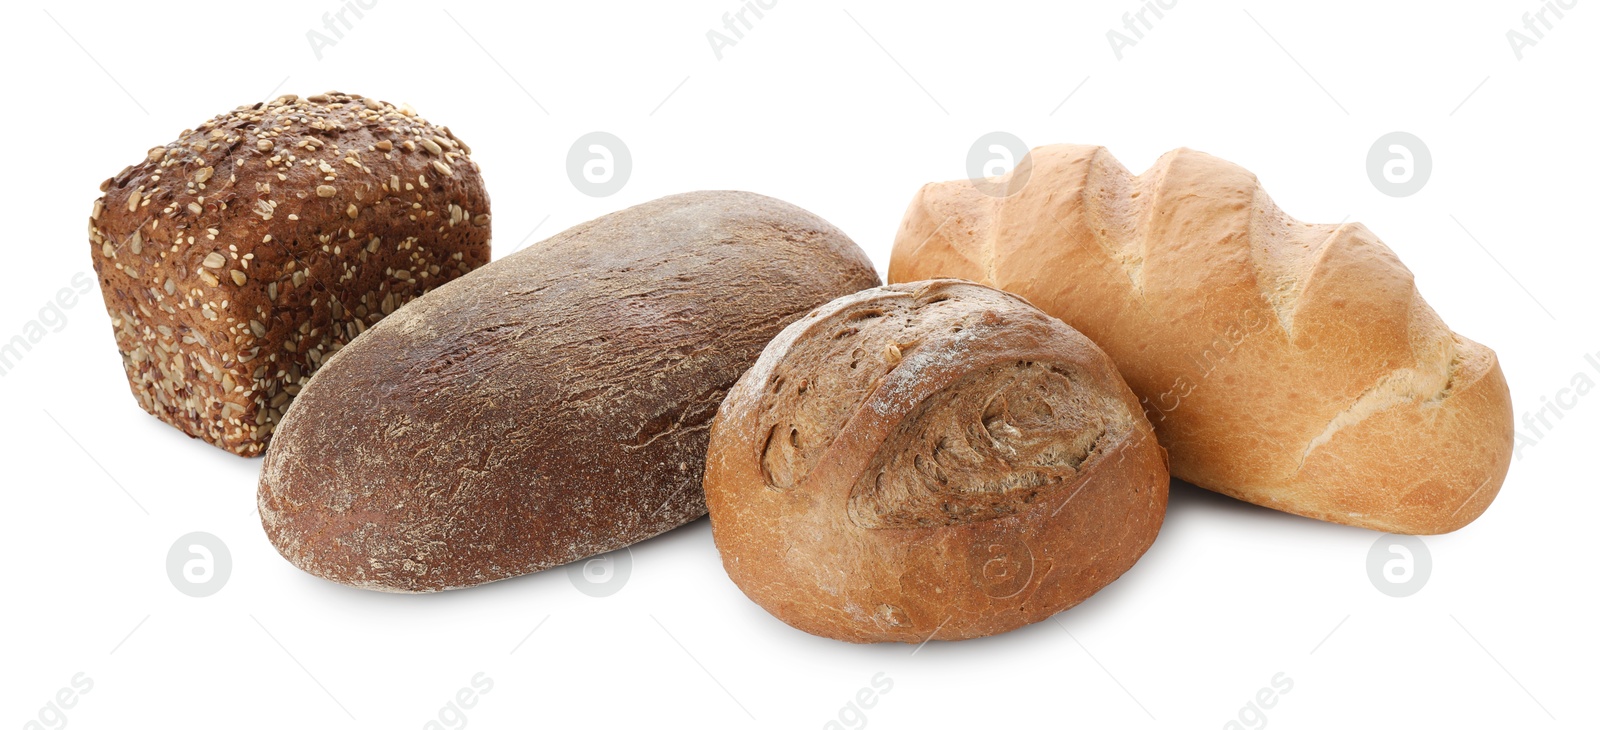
(550, 406)
(1284, 363)
(936, 459)
(235, 259)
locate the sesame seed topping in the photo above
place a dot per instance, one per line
(300, 141)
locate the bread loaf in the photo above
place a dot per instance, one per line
(548, 407)
(930, 460)
(1284, 363)
(236, 259)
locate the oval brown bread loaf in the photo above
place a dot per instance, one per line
(930, 460)
(236, 259)
(550, 406)
(1284, 363)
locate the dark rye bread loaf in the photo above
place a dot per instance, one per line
(550, 406)
(236, 259)
(934, 459)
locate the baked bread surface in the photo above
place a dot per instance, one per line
(238, 258)
(550, 406)
(927, 460)
(1289, 364)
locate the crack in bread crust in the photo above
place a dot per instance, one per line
(803, 413)
(994, 442)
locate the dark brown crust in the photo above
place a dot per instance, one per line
(932, 459)
(550, 406)
(236, 259)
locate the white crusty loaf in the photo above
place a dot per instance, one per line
(1288, 364)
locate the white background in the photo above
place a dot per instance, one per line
(844, 111)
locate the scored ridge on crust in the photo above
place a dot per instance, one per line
(1289, 364)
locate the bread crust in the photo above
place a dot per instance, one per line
(550, 406)
(1283, 363)
(930, 460)
(234, 260)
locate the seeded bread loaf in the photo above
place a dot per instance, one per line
(550, 406)
(928, 460)
(236, 259)
(1284, 363)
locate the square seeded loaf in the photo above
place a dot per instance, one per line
(237, 259)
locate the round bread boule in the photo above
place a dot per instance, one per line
(933, 459)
